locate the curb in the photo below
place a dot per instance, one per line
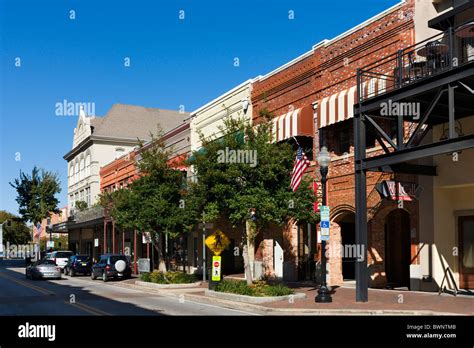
(252, 299)
(259, 309)
(167, 286)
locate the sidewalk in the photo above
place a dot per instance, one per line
(381, 302)
(379, 299)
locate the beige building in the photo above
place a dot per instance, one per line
(208, 118)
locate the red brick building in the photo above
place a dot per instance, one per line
(119, 173)
(324, 80)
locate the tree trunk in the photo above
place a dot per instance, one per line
(159, 248)
(250, 249)
(248, 274)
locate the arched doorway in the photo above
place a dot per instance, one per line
(397, 248)
(347, 224)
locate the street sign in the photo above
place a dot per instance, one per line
(50, 244)
(146, 237)
(207, 225)
(217, 242)
(96, 242)
(143, 265)
(216, 268)
(324, 224)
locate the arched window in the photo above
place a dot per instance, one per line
(88, 165)
(71, 175)
(76, 172)
(81, 169)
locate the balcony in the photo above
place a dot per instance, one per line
(434, 57)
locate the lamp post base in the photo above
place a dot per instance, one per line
(323, 295)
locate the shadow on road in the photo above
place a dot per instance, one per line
(63, 298)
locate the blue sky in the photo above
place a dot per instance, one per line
(173, 62)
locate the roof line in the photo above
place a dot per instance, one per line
(249, 81)
(327, 42)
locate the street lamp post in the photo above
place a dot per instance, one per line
(323, 159)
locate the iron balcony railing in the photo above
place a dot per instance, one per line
(442, 52)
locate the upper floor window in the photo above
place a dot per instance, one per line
(76, 172)
(81, 169)
(88, 196)
(71, 175)
(88, 165)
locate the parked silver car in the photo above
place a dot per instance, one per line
(45, 269)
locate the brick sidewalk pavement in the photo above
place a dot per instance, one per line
(344, 298)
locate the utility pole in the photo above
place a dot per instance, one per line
(203, 248)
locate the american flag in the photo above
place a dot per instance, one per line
(301, 163)
(38, 229)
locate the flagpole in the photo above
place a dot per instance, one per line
(296, 141)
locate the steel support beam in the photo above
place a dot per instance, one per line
(452, 124)
(361, 270)
(425, 118)
(410, 154)
(407, 168)
(381, 131)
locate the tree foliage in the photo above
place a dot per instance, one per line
(232, 189)
(155, 202)
(17, 233)
(36, 194)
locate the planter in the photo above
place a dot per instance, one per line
(252, 299)
(150, 285)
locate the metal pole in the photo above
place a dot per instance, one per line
(323, 293)
(204, 251)
(308, 266)
(105, 237)
(135, 251)
(361, 271)
(113, 237)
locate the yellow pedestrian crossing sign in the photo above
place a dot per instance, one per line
(217, 242)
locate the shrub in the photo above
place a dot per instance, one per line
(259, 288)
(168, 278)
(145, 277)
(235, 287)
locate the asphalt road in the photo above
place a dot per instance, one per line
(83, 296)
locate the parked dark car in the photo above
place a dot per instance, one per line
(78, 264)
(112, 266)
(43, 269)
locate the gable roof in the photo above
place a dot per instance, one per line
(130, 121)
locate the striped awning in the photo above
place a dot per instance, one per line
(340, 106)
(296, 122)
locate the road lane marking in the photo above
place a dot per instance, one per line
(28, 285)
(87, 308)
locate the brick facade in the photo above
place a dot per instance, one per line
(329, 68)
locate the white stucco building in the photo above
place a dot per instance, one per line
(99, 140)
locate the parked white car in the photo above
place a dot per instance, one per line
(60, 258)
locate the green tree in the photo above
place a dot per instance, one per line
(253, 194)
(81, 205)
(36, 194)
(155, 202)
(17, 233)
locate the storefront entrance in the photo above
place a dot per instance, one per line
(466, 254)
(348, 241)
(397, 248)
